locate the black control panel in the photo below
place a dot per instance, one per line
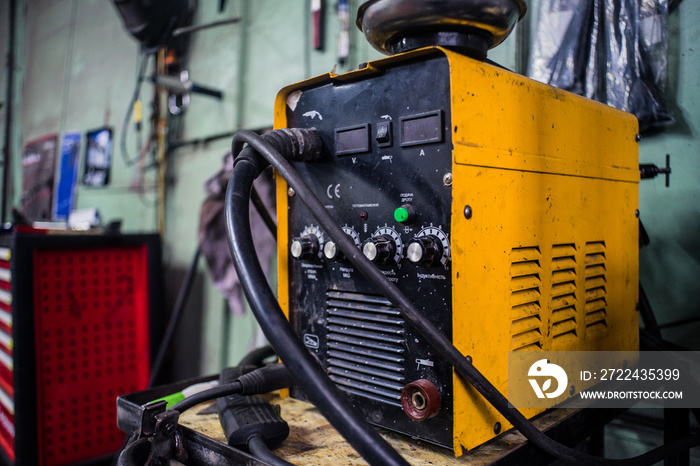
(386, 179)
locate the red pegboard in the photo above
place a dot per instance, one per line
(92, 344)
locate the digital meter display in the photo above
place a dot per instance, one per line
(421, 129)
(352, 140)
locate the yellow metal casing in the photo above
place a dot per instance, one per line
(544, 242)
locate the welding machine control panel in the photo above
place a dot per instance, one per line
(386, 178)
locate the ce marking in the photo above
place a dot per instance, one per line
(331, 190)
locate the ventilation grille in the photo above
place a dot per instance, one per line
(596, 298)
(525, 297)
(365, 346)
(563, 293)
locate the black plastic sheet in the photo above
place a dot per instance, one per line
(613, 51)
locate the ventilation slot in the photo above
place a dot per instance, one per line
(525, 328)
(595, 309)
(563, 294)
(365, 346)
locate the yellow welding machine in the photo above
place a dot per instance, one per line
(506, 209)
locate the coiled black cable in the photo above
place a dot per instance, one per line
(267, 309)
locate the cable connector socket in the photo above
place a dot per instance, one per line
(296, 144)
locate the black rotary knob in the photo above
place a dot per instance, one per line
(305, 247)
(332, 252)
(379, 249)
(424, 250)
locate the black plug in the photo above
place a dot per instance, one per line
(243, 417)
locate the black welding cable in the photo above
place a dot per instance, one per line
(322, 392)
(261, 451)
(135, 453)
(462, 365)
(257, 356)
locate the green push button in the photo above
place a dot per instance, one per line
(401, 214)
(404, 214)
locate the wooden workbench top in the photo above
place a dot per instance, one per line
(313, 441)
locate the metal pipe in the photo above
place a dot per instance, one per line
(7, 152)
(199, 27)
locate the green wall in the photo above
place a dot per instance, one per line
(670, 265)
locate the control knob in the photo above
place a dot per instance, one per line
(379, 249)
(305, 247)
(332, 252)
(424, 250)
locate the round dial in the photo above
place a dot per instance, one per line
(388, 233)
(313, 230)
(434, 235)
(350, 231)
(308, 244)
(424, 250)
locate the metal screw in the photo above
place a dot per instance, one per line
(624, 363)
(572, 390)
(497, 428)
(447, 179)
(469, 359)
(467, 212)
(637, 137)
(636, 213)
(290, 192)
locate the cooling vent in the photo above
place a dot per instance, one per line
(596, 301)
(365, 346)
(525, 296)
(563, 293)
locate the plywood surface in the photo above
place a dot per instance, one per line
(313, 441)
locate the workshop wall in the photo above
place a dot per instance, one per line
(79, 70)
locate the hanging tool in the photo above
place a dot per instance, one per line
(650, 170)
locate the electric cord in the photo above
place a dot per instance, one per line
(305, 369)
(263, 380)
(125, 126)
(261, 451)
(267, 309)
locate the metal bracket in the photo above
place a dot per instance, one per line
(149, 419)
